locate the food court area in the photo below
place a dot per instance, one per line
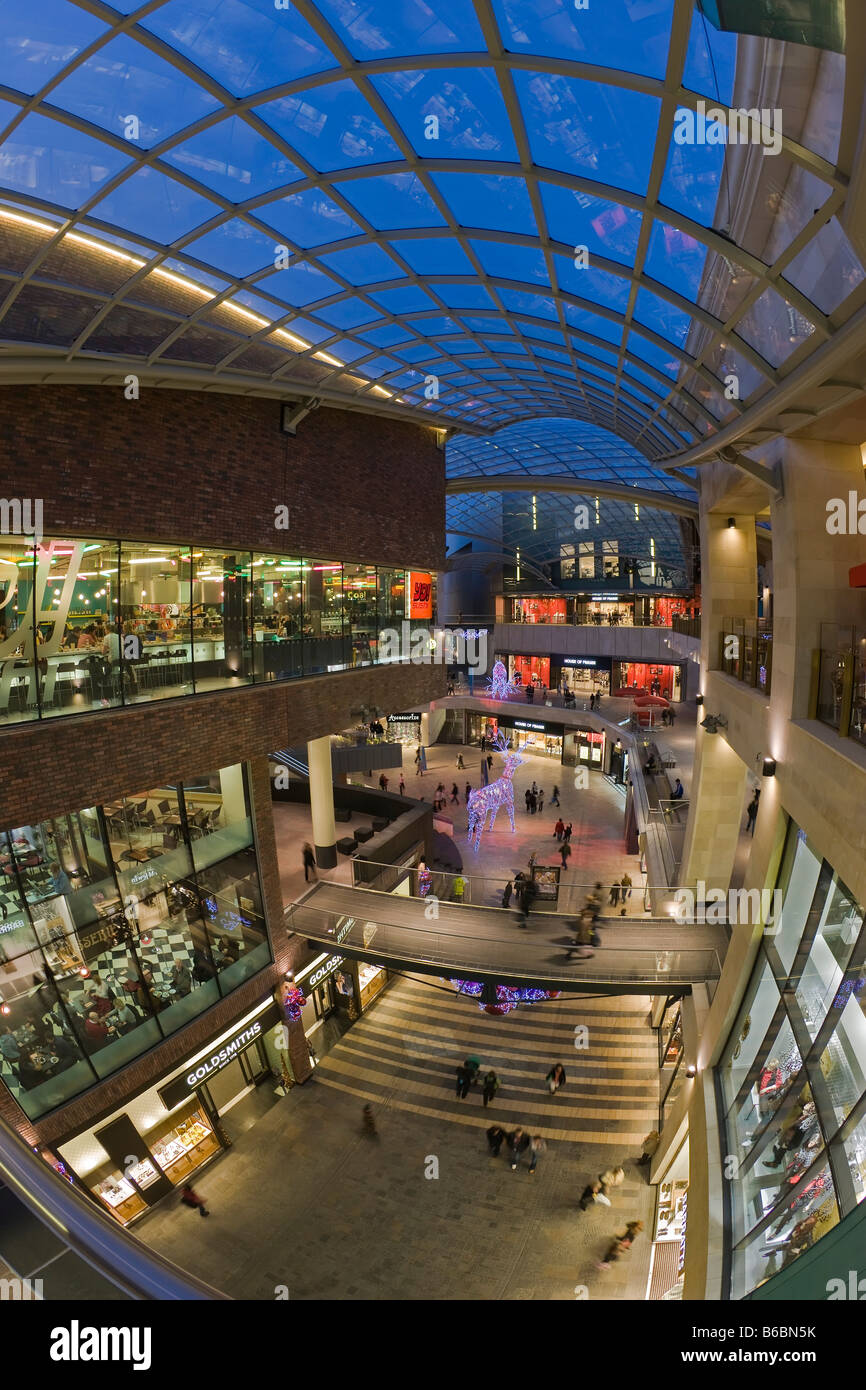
(121, 923)
(91, 624)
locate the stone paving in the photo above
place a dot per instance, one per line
(306, 1200)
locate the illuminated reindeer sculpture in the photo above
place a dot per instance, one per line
(499, 793)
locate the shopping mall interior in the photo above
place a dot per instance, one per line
(432, 665)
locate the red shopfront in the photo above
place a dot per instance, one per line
(539, 610)
(530, 670)
(649, 676)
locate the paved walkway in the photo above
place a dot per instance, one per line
(305, 1200)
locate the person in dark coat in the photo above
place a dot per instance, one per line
(464, 1081)
(506, 894)
(490, 1086)
(555, 1077)
(495, 1136)
(518, 1143)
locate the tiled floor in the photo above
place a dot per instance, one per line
(304, 1199)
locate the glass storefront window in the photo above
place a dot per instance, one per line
(221, 602)
(155, 609)
(756, 1014)
(359, 590)
(109, 904)
(855, 1157)
(277, 617)
(809, 1213)
(78, 660)
(18, 695)
(324, 648)
(786, 1110)
(798, 880)
(840, 920)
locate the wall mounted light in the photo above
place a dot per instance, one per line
(769, 768)
(731, 522)
(691, 1071)
(699, 699)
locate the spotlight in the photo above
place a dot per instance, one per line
(691, 1071)
(699, 699)
(731, 522)
(769, 768)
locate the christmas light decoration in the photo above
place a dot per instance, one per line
(507, 996)
(487, 800)
(292, 1001)
(499, 687)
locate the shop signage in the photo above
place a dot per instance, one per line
(605, 598)
(593, 663)
(205, 1067)
(528, 724)
(323, 972)
(409, 717)
(420, 595)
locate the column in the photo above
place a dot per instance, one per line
(322, 802)
(715, 813)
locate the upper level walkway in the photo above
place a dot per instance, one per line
(489, 944)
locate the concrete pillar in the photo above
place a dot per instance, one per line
(729, 577)
(810, 564)
(232, 791)
(322, 802)
(715, 812)
(425, 730)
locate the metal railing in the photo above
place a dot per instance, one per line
(486, 890)
(485, 943)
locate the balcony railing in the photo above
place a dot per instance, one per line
(746, 651)
(839, 681)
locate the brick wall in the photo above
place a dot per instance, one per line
(86, 759)
(210, 469)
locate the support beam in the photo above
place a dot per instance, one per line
(293, 415)
(322, 802)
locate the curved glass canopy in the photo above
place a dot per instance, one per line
(471, 211)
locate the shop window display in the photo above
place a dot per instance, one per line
(794, 1120)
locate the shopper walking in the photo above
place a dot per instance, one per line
(468, 790)
(566, 834)
(613, 899)
(649, 1146)
(558, 828)
(537, 1145)
(459, 888)
(555, 1078)
(495, 1137)
(464, 1081)
(541, 801)
(309, 863)
(620, 1245)
(527, 897)
(461, 766)
(533, 802)
(625, 888)
(672, 714)
(612, 1178)
(518, 1143)
(564, 852)
(369, 1122)
(455, 794)
(190, 1198)
(506, 894)
(593, 1192)
(554, 796)
(527, 796)
(490, 1085)
(402, 785)
(752, 813)
(383, 782)
(592, 701)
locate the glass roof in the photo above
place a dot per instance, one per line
(472, 211)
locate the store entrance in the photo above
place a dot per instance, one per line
(235, 1094)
